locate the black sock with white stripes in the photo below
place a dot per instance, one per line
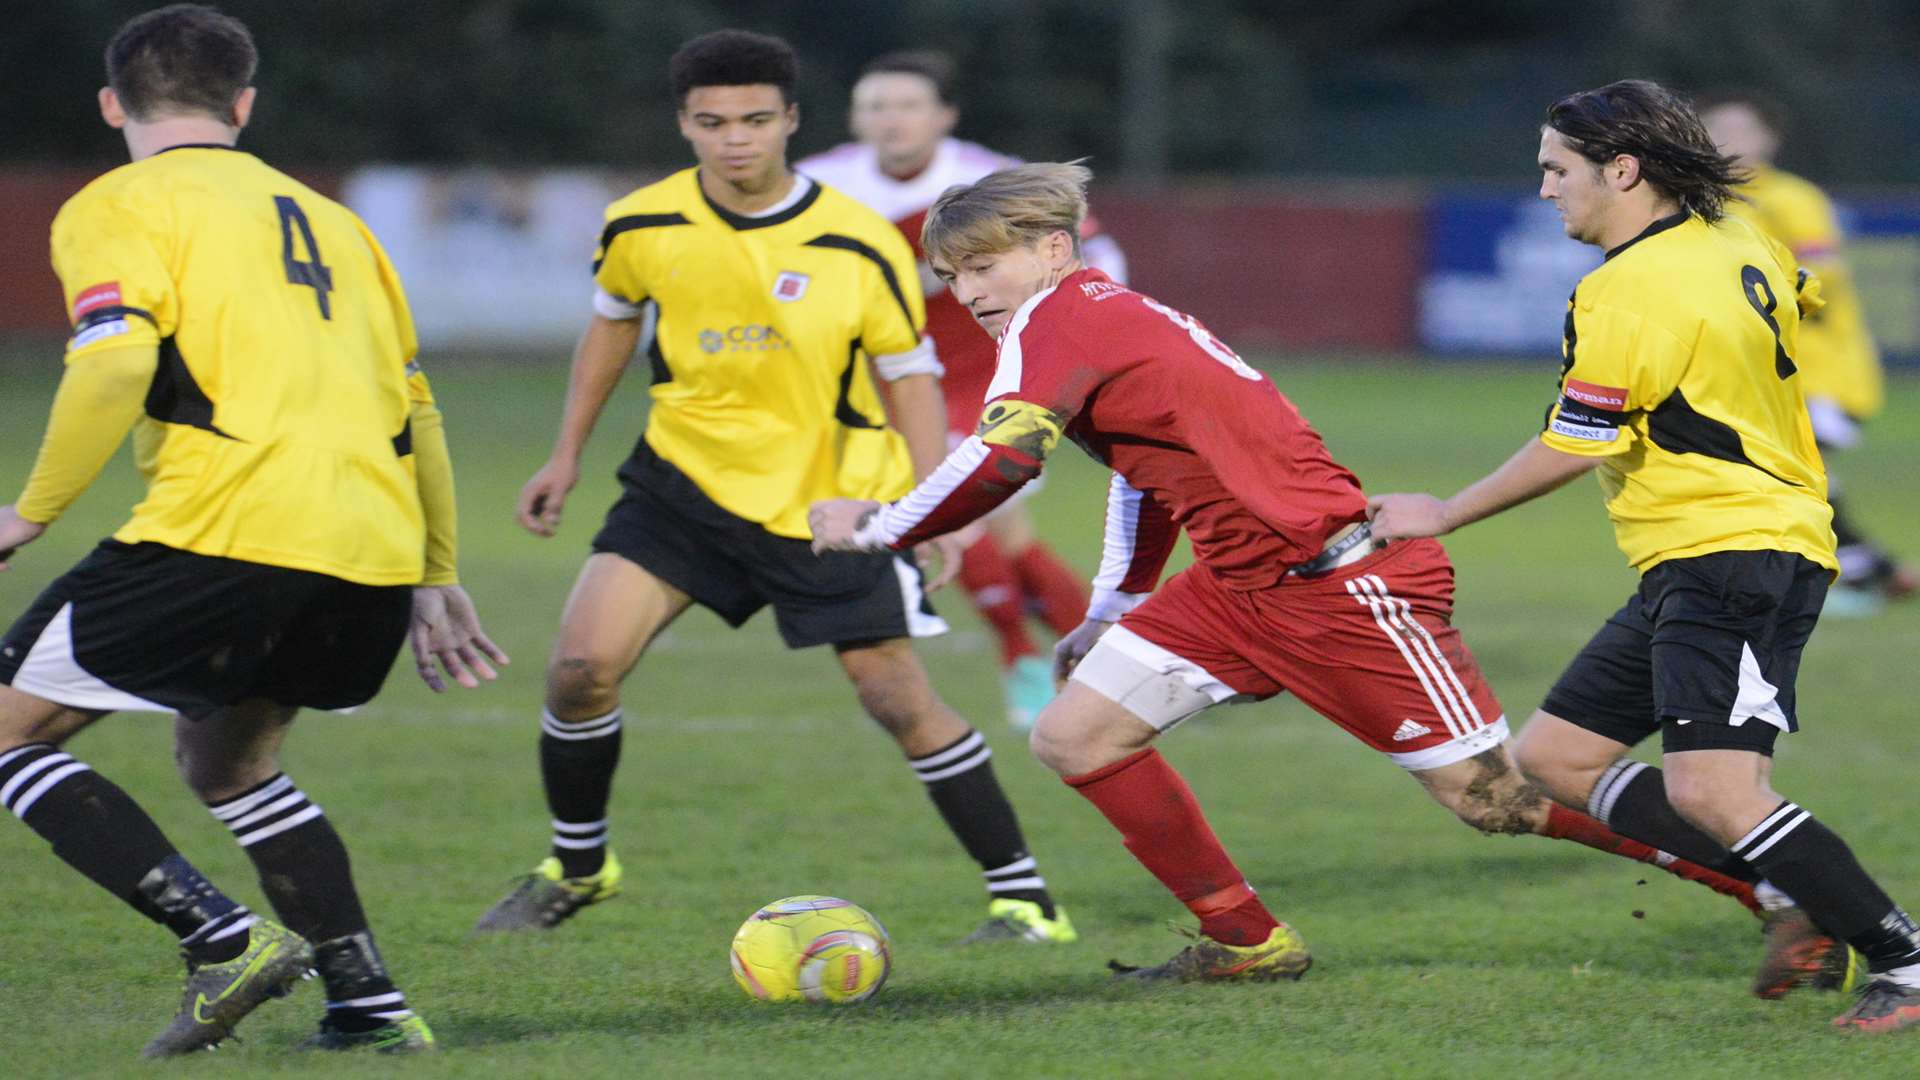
(960, 779)
(99, 830)
(306, 874)
(1631, 799)
(577, 762)
(1810, 863)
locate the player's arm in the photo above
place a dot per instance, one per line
(101, 395)
(1138, 539)
(1009, 450)
(1532, 472)
(1622, 366)
(599, 359)
(915, 404)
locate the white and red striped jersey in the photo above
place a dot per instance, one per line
(1196, 438)
(965, 350)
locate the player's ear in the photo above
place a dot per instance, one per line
(242, 108)
(793, 117)
(111, 110)
(1624, 171)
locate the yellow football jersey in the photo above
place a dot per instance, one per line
(763, 391)
(1680, 374)
(276, 429)
(1838, 358)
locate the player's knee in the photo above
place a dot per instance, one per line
(1490, 794)
(1700, 800)
(1053, 745)
(214, 777)
(1507, 812)
(581, 686)
(897, 700)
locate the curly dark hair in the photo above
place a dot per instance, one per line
(734, 58)
(1645, 120)
(180, 58)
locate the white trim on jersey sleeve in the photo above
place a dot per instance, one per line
(922, 359)
(894, 520)
(1117, 546)
(608, 306)
(1008, 369)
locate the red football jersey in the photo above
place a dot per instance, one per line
(1148, 391)
(1196, 438)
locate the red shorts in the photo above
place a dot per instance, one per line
(1370, 647)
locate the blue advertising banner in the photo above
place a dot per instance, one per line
(1500, 270)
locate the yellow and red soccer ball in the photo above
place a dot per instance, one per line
(811, 948)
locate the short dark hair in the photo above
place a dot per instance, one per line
(1767, 107)
(734, 58)
(930, 64)
(1645, 120)
(180, 58)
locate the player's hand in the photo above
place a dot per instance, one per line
(1070, 650)
(834, 521)
(942, 556)
(16, 532)
(1403, 517)
(446, 631)
(542, 499)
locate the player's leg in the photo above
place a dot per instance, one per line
(1392, 670)
(955, 764)
(1612, 695)
(616, 609)
(230, 758)
(1097, 735)
(1026, 677)
(1726, 792)
(87, 647)
(1051, 588)
(1488, 792)
(1724, 670)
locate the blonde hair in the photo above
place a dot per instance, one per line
(1011, 208)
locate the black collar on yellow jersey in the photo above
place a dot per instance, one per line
(1659, 226)
(743, 222)
(196, 146)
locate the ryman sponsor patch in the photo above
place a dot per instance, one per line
(1612, 398)
(94, 297)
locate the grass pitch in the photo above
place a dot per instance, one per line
(750, 773)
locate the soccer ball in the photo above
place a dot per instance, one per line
(811, 948)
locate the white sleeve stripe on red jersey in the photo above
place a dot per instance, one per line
(1118, 544)
(1122, 533)
(1007, 369)
(894, 520)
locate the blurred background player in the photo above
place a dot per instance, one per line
(903, 115)
(1839, 362)
(764, 399)
(298, 525)
(1677, 389)
(1288, 593)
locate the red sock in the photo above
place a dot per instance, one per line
(1053, 585)
(1161, 823)
(1565, 824)
(990, 583)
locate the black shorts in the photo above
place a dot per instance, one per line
(1706, 651)
(145, 626)
(666, 525)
